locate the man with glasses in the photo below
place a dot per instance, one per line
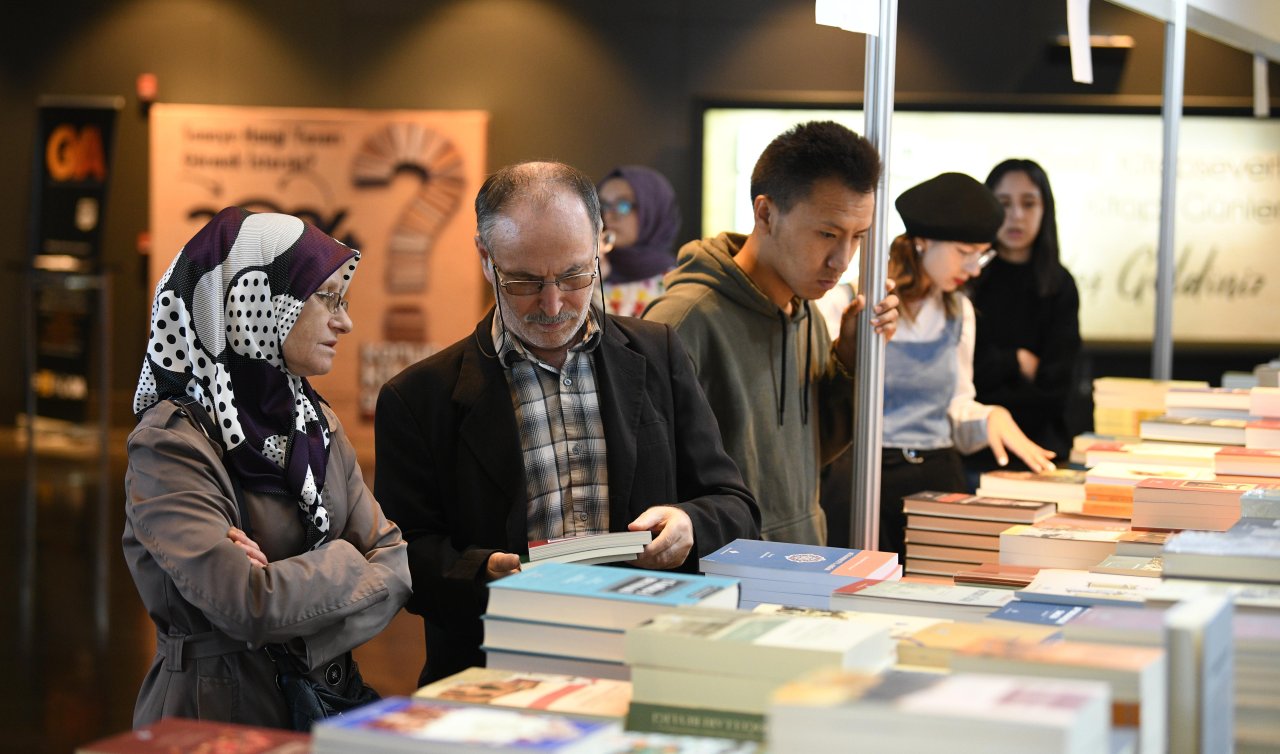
(550, 420)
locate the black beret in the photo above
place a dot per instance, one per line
(951, 207)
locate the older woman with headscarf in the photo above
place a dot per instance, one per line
(248, 523)
(641, 221)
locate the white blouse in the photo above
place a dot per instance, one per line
(968, 417)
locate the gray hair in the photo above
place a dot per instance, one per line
(535, 181)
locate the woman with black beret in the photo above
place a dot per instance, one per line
(930, 411)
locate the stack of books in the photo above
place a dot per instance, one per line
(1159, 454)
(417, 726)
(996, 575)
(1257, 693)
(933, 647)
(926, 712)
(700, 661)
(1061, 542)
(1207, 402)
(573, 696)
(172, 735)
(1066, 586)
(1248, 551)
(899, 626)
(613, 547)
(1121, 403)
(1063, 487)
(1108, 487)
(962, 603)
(1136, 675)
(800, 575)
(1256, 462)
(1194, 429)
(570, 619)
(1187, 504)
(1262, 434)
(949, 532)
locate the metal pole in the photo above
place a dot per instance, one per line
(1175, 57)
(868, 408)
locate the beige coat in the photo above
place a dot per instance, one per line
(196, 583)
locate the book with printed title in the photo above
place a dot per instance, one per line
(603, 596)
(823, 568)
(597, 698)
(426, 726)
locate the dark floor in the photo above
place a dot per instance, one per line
(72, 625)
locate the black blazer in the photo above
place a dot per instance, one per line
(451, 475)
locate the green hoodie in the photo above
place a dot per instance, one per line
(783, 407)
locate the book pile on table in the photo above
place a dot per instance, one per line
(1136, 675)
(422, 726)
(933, 647)
(949, 532)
(1068, 586)
(1120, 404)
(569, 618)
(961, 603)
(573, 696)
(1138, 454)
(791, 574)
(1108, 487)
(613, 547)
(902, 711)
(996, 575)
(1063, 487)
(1248, 551)
(1061, 542)
(1257, 679)
(1187, 504)
(1194, 429)
(705, 663)
(173, 734)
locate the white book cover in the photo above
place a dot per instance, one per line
(1198, 639)
(1073, 587)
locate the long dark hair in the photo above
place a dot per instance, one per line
(1045, 264)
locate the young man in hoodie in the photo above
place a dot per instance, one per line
(780, 388)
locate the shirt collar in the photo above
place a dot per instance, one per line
(510, 349)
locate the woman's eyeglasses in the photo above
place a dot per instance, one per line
(334, 302)
(566, 283)
(981, 258)
(621, 208)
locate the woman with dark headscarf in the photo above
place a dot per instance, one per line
(251, 307)
(641, 221)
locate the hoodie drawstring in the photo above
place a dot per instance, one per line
(782, 368)
(808, 361)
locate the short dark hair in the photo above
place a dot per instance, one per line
(532, 180)
(797, 159)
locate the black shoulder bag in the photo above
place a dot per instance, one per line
(325, 692)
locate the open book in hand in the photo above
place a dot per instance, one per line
(613, 547)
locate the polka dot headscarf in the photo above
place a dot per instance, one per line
(221, 314)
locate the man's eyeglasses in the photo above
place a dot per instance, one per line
(572, 282)
(981, 258)
(621, 208)
(334, 302)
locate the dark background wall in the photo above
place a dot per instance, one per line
(589, 82)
